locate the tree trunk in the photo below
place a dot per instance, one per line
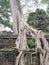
(14, 11)
(19, 25)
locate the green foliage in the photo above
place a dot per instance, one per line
(7, 24)
(39, 20)
(5, 13)
(44, 1)
(47, 10)
(31, 42)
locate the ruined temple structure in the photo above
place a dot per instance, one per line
(8, 53)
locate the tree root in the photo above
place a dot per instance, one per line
(18, 58)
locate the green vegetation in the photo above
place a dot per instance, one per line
(46, 2)
(31, 42)
(5, 13)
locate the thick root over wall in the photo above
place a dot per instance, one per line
(37, 35)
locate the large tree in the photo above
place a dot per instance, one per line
(18, 24)
(21, 43)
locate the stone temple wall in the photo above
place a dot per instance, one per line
(7, 53)
(7, 39)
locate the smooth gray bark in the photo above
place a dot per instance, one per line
(19, 28)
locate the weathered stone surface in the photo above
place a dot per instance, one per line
(7, 39)
(7, 42)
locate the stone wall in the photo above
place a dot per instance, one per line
(7, 53)
(7, 39)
